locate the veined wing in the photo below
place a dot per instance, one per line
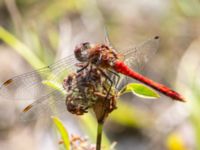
(44, 107)
(52, 104)
(136, 57)
(32, 85)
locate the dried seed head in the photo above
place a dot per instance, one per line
(89, 89)
(104, 106)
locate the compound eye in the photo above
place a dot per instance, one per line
(81, 51)
(86, 45)
(84, 48)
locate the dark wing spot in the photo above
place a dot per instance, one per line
(27, 108)
(61, 142)
(156, 37)
(8, 82)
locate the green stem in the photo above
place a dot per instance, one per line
(99, 136)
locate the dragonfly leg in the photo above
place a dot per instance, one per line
(109, 79)
(99, 60)
(116, 75)
(84, 67)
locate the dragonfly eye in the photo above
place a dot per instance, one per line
(81, 51)
(86, 45)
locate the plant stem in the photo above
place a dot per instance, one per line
(99, 135)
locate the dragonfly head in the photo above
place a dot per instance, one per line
(82, 51)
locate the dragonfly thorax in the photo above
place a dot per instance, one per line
(99, 55)
(103, 56)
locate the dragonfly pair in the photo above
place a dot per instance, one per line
(95, 61)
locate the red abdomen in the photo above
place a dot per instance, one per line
(124, 69)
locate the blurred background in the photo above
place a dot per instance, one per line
(48, 30)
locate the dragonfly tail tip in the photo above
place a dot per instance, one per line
(181, 99)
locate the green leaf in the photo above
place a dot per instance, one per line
(140, 90)
(63, 132)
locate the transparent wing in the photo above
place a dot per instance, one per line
(32, 85)
(136, 57)
(106, 37)
(44, 107)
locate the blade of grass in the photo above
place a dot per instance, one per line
(20, 48)
(63, 132)
(54, 85)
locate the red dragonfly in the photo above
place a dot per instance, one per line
(32, 85)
